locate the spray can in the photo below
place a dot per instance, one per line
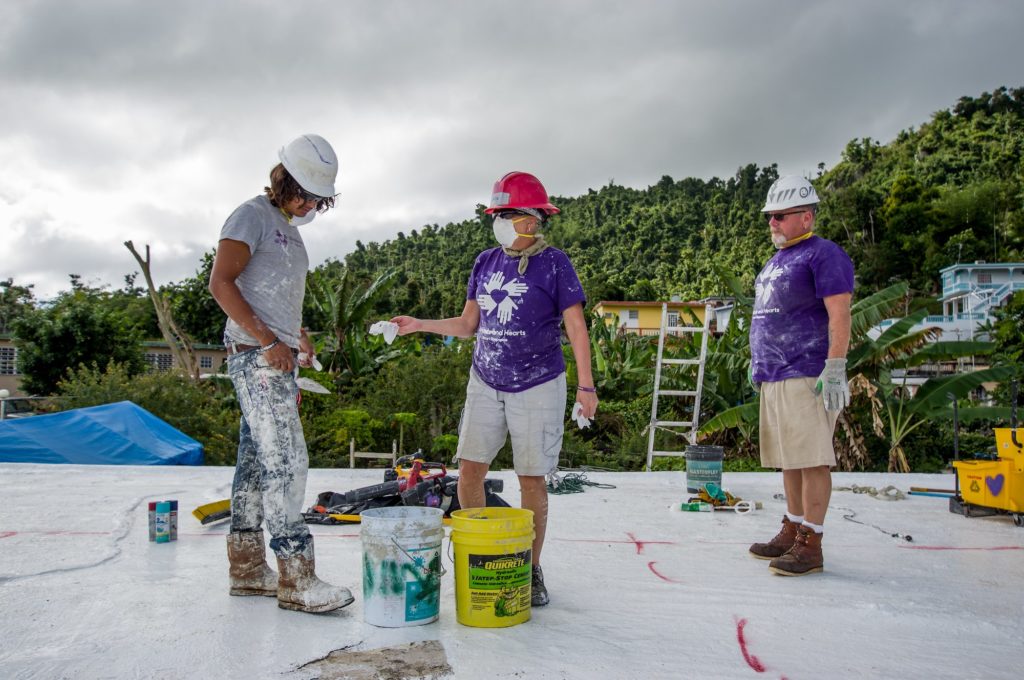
(152, 520)
(174, 521)
(163, 522)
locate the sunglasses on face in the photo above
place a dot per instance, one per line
(307, 197)
(781, 217)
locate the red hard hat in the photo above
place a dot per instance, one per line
(520, 190)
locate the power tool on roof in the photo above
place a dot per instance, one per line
(413, 481)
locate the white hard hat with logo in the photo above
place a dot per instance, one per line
(311, 161)
(790, 191)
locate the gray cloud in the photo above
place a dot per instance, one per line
(151, 121)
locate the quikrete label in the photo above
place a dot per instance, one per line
(500, 584)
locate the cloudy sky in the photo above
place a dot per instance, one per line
(151, 121)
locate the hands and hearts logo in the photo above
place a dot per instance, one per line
(765, 284)
(498, 295)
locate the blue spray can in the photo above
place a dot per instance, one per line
(163, 522)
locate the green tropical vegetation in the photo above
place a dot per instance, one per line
(950, 190)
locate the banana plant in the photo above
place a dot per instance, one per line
(622, 361)
(899, 416)
(346, 306)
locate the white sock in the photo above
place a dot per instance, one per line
(795, 519)
(817, 528)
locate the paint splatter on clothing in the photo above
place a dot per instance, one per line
(274, 280)
(789, 326)
(270, 474)
(518, 341)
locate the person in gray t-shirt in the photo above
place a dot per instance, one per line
(258, 279)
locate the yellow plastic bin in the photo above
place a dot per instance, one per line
(493, 566)
(991, 483)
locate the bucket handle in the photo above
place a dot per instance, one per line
(415, 561)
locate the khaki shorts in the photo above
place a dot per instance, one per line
(796, 430)
(534, 417)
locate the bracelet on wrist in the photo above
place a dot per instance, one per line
(581, 388)
(271, 345)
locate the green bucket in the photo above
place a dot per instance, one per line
(703, 465)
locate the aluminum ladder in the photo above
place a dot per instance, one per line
(661, 361)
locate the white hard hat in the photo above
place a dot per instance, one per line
(790, 191)
(311, 161)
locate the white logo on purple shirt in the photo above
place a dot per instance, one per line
(764, 287)
(499, 296)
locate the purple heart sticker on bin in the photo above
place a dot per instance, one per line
(995, 484)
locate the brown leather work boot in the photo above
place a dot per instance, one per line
(249, 572)
(301, 590)
(778, 546)
(803, 558)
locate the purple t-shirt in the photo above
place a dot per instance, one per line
(518, 341)
(789, 326)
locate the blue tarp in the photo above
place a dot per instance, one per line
(113, 434)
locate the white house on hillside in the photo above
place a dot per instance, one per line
(970, 293)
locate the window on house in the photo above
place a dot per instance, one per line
(673, 318)
(984, 277)
(158, 361)
(634, 315)
(8, 357)
(205, 362)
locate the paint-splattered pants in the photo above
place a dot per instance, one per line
(270, 474)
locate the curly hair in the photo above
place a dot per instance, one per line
(284, 189)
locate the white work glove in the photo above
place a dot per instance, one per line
(388, 329)
(577, 415)
(833, 386)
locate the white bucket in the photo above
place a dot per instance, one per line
(401, 565)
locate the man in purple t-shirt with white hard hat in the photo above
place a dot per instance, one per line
(799, 336)
(519, 295)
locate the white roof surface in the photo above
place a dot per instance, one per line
(637, 591)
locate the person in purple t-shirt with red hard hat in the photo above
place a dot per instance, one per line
(799, 336)
(519, 295)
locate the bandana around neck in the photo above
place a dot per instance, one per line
(538, 245)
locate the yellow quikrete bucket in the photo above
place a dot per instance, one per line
(493, 566)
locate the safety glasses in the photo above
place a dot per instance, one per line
(781, 217)
(513, 216)
(307, 197)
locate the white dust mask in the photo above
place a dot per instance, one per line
(504, 231)
(306, 219)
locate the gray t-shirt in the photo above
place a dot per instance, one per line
(274, 280)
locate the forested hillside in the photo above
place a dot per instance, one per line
(952, 189)
(947, 190)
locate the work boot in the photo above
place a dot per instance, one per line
(778, 546)
(538, 591)
(300, 589)
(803, 558)
(249, 572)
